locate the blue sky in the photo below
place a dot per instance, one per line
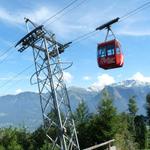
(133, 33)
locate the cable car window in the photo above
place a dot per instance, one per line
(102, 52)
(118, 50)
(110, 50)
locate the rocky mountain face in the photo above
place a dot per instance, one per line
(24, 109)
(121, 92)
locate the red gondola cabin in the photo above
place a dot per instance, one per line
(109, 55)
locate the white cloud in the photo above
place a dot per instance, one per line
(11, 77)
(140, 77)
(5, 15)
(76, 24)
(2, 114)
(135, 27)
(102, 81)
(40, 15)
(119, 75)
(18, 91)
(68, 77)
(61, 27)
(133, 32)
(37, 15)
(87, 78)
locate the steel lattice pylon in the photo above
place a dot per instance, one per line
(57, 116)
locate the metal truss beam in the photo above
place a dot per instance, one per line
(56, 111)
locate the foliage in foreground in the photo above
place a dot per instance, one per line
(128, 128)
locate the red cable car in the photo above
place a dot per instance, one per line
(109, 55)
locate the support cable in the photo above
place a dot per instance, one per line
(135, 11)
(67, 12)
(60, 11)
(82, 37)
(16, 76)
(124, 17)
(57, 13)
(5, 58)
(6, 51)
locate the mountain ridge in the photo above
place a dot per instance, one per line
(24, 108)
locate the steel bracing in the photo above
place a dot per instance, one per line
(57, 116)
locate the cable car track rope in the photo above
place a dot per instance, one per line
(79, 38)
(6, 51)
(124, 17)
(7, 56)
(60, 11)
(135, 11)
(16, 76)
(46, 21)
(83, 1)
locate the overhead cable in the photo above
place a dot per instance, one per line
(60, 11)
(67, 12)
(125, 16)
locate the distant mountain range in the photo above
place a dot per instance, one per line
(24, 108)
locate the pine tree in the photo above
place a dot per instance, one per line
(82, 113)
(124, 139)
(13, 145)
(103, 126)
(2, 147)
(147, 143)
(108, 116)
(82, 124)
(148, 107)
(9, 139)
(140, 129)
(132, 107)
(47, 146)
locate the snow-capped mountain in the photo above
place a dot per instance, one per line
(24, 108)
(131, 83)
(122, 91)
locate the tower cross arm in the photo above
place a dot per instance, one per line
(30, 38)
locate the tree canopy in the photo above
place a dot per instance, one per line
(106, 123)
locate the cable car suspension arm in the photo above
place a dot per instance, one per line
(108, 31)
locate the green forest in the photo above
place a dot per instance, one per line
(129, 129)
